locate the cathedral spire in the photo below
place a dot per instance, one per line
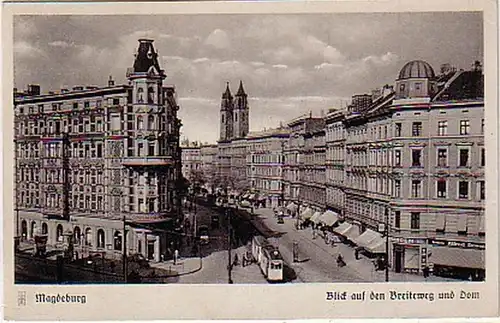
(227, 94)
(241, 91)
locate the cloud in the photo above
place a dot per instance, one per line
(62, 44)
(27, 50)
(218, 39)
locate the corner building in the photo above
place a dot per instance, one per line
(415, 160)
(88, 157)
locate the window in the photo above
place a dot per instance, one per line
(441, 188)
(86, 104)
(402, 88)
(140, 93)
(116, 101)
(222, 118)
(75, 105)
(463, 157)
(442, 128)
(418, 86)
(99, 150)
(416, 129)
(100, 238)
(397, 188)
(151, 148)
(140, 149)
(482, 194)
(140, 203)
(397, 129)
(118, 240)
(397, 158)
(151, 122)
(464, 127)
(415, 220)
(397, 219)
(416, 157)
(140, 123)
(483, 157)
(416, 186)
(463, 190)
(482, 126)
(151, 205)
(115, 122)
(442, 157)
(151, 95)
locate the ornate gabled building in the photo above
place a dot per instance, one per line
(89, 157)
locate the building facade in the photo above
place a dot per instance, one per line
(234, 126)
(208, 155)
(414, 160)
(88, 158)
(313, 171)
(265, 160)
(192, 164)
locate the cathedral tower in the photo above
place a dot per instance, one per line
(226, 115)
(240, 113)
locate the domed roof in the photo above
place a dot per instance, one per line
(416, 69)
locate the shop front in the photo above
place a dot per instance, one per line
(409, 255)
(458, 259)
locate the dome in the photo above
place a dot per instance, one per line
(416, 69)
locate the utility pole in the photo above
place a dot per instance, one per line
(229, 233)
(387, 244)
(125, 278)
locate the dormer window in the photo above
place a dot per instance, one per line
(402, 88)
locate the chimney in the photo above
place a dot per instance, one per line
(111, 82)
(33, 89)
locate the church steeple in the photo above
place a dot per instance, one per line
(227, 95)
(241, 91)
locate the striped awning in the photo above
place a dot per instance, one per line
(368, 238)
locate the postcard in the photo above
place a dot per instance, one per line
(250, 160)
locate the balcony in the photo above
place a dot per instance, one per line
(148, 161)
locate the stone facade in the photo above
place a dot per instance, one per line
(87, 158)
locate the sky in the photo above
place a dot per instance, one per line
(289, 64)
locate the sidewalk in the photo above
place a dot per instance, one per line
(183, 266)
(362, 267)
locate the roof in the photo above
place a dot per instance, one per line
(227, 93)
(461, 86)
(416, 69)
(241, 91)
(146, 57)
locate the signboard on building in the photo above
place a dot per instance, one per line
(457, 244)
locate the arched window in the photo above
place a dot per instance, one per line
(59, 233)
(151, 122)
(24, 229)
(101, 241)
(77, 234)
(88, 237)
(151, 95)
(140, 95)
(45, 228)
(118, 240)
(33, 229)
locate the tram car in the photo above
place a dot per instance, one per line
(268, 258)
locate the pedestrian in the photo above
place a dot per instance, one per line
(356, 253)
(314, 234)
(425, 271)
(176, 256)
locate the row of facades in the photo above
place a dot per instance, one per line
(411, 154)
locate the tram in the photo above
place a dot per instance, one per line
(268, 258)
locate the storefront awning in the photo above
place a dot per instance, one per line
(347, 230)
(329, 218)
(316, 217)
(457, 257)
(367, 238)
(307, 214)
(377, 246)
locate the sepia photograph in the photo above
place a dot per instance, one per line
(251, 149)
